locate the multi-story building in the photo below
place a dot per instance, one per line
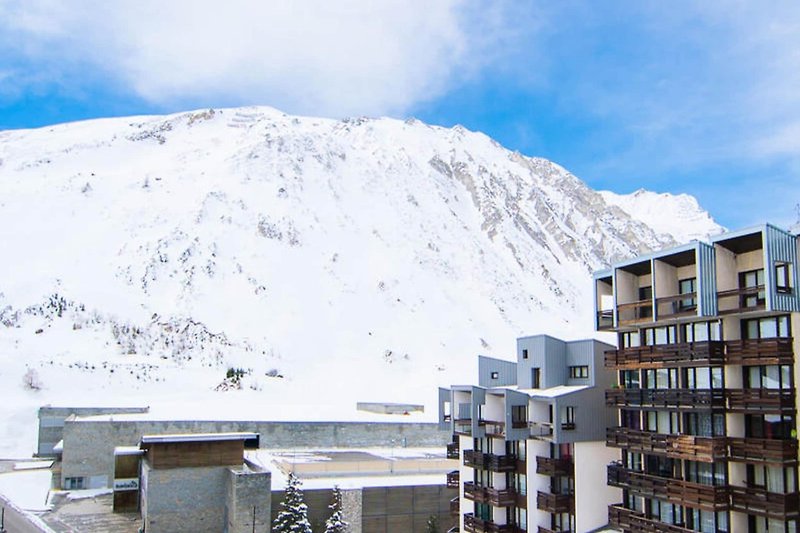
(530, 440)
(706, 398)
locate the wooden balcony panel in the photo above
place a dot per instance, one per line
(453, 478)
(489, 461)
(555, 467)
(758, 401)
(605, 319)
(667, 355)
(547, 530)
(463, 426)
(696, 495)
(704, 449)
(493, 428)
(555, 503)
(455, 507)
(677, 306)
(453, 450)
(632, 521)
(522, 466)
(680, 399)
(776, 351)
(474, 524)
(758, 501)
(763, 451)
(741, 300)
(635, 312)
(490, 495)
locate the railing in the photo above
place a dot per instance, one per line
(678, 305)
(453, 478)
(758, 501)
(477, 525)
(770, 451)
(775, 351)
(489, 461)
(547, 530)
(776, 401)
(698, 495)
(493, 428)
(555, 503)
(554, 467)
(692, 353)
(634, 312)
(633, 521)
(453, 450)
(704, 449)
(605, 319)
(490, 495)
(743, 299)
(541, 429)
(453, 529)
(455, 507)
(667, 398)
(463, 426)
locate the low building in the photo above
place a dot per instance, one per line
(530, 439)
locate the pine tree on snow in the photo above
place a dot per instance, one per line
(335, 524)
(293, 517)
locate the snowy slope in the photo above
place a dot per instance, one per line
(676, 214)
(334, 261)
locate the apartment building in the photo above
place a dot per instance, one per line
(706, 424)
(530, 440)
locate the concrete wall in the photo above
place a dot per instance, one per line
(51, 423)
(592, 494)
(89, 444)
(249, 501)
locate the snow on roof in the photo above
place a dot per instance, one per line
(127, 450)
(194, 437)
(555, 392)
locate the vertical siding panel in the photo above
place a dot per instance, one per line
(706, 279)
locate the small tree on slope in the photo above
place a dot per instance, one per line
(293, 517)
(335, 524)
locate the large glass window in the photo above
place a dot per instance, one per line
(688, 287)
(766, 328)
(701, 332)
(768, 377)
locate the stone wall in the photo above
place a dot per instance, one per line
(51, 423)
(249, 500)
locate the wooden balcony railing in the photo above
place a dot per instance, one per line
(453, 450)
(696, 495)
(704, 449)
(455, 507)
(555, 503)
(635, 312)
(463, 426)
(632, 521)
(453, 479)
(667, 355)
(493, 428)
(554, 467)
(758, 501)
(474, 524)
(739, 300)
(683, 399)
(489, 461)
(490, 495)
(548, 530)
(677, 306)
(758, 401)
(775, 351)
(605, 319)
(767, 451)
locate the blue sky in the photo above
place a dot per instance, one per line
(696, 97)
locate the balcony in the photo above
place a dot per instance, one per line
(493, 428)
(741, 300)
(635, 312)
(677, 306)
(477, 525)
(490, 495)
(761, 401)
(541, 429)
(605, 319)
(454, 507)
(698, 495)
(776, 351)
(683, 399)
(667, 355)
(631, 521)
(554, 467)
(489, 461)
(548, 530)
(704, 449)
(763, 451)
(453, 479)
(758, 501)
(463, 426)
(555, 503)
(453, 450)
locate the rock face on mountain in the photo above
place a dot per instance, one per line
(296, 247)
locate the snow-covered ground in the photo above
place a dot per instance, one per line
(331, 261)
(27, 489)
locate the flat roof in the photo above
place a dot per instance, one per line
(197, 437)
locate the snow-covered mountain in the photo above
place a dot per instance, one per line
(360, 259)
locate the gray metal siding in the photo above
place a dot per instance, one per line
(506, 372)
(580, 353)
(780, 247)
(591, 416)
(706, 279)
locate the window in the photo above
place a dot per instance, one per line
(766, 328)
(783, 277)
(701, 332)
(495, 375)
(689, 287)
(751, 285)
(579, 372)
(645, 294)
(568, 418)
(73, 483)
(524, 353)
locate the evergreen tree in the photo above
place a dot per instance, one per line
(335, 524)
(433, 525)
(293, 517)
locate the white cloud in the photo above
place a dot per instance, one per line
(314, 57)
